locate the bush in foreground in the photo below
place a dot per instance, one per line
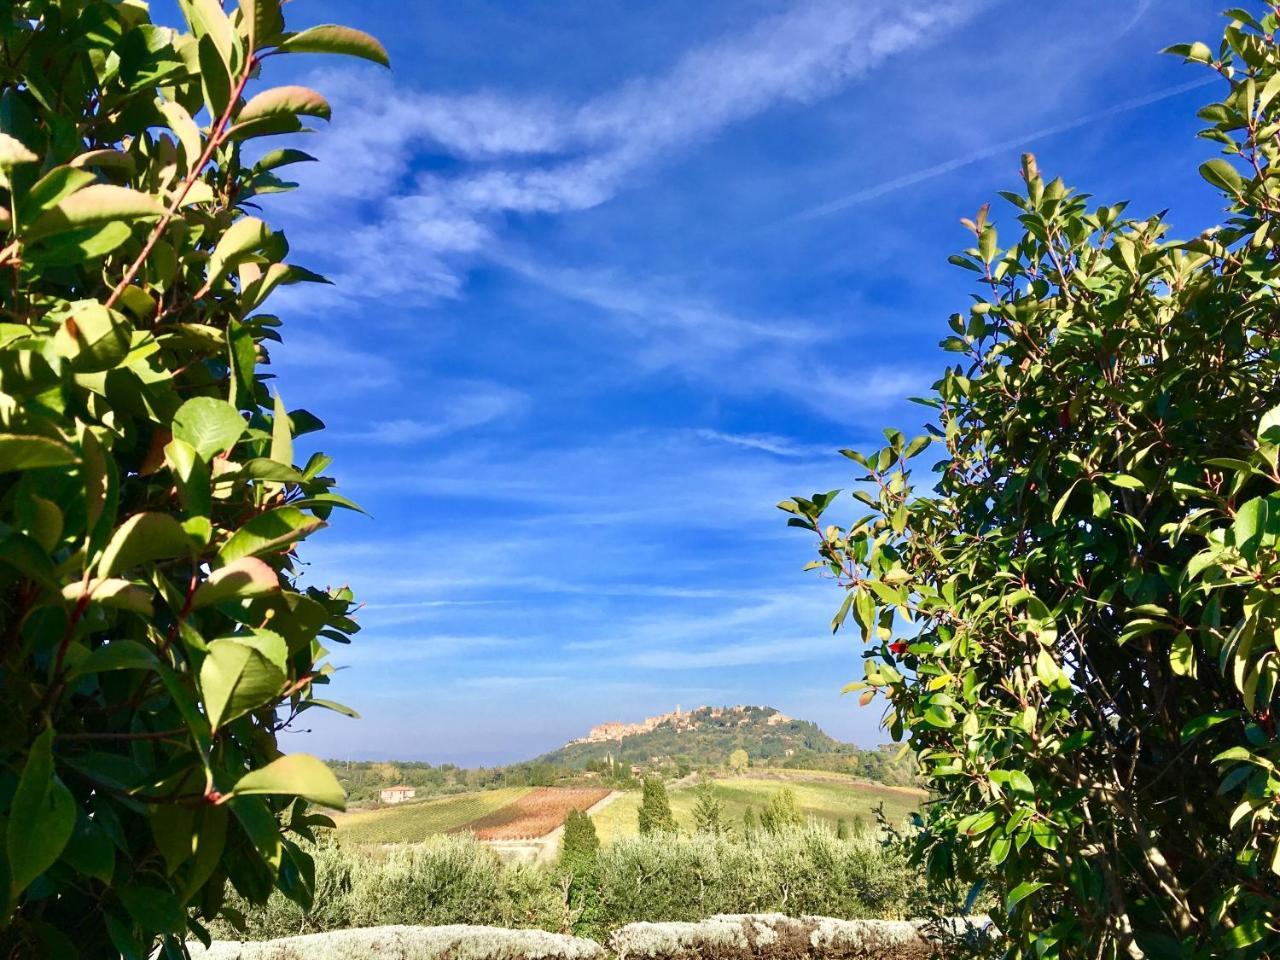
(655, 814)
(155, 639)
(457, 880)
(1076, 625)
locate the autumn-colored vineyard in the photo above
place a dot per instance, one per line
(535, 814)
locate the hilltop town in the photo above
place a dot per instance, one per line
(678, 719)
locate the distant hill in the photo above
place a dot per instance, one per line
(702, 737)
(672, 745)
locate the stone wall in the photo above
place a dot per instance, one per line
(411, 943)
(738, 937)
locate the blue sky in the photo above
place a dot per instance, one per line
(613, 278)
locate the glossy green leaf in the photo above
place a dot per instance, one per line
(258, 823)
(42, 816)
(289, 101)
(274, 159)
(297, 775)
(119, 654)
(208, 19)
(241, 579)
(94, 338)
(236, 678)
(331, 38)
(263, 21)
(210, 426)
(112, 592)
(243, 239)
(185, 129)
(32, 453)
(89, 850)
(144, 538)
(1020, 893)
(269, 533)
(14, 153)
(54, 187)
(91, 207)
(1222, 175)
(1182, 655)
(191, 474)
(154, 908)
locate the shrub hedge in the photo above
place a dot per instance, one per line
(456, 879)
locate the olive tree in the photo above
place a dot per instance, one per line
(154, 637)
(1076, 622)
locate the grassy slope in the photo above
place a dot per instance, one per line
(827, 797)
(411, 822)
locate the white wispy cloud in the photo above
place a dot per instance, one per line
(462, 407)
(916, 177)
(785, 650)
(509, 681)
(376, 648)
(532, 155)
(769, 443)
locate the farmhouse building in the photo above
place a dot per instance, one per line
(397, 794)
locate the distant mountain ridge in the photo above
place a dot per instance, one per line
(699, 737)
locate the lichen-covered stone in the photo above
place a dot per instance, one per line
(890, 939)
(411, 943)
(763, 936)
(778, 937)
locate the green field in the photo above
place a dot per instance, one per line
(826, 797)
(822, 796)
(411, 822)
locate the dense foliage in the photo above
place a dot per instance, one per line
(364, 780)
(1078, 627)
(457, 880)
(655, 814)
(782, 812)
(154, 637)
(580, 875)
(708, 811)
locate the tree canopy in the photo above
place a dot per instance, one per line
(155, 638)
(655, 814)
(1075, 622)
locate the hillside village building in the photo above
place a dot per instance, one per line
(679, 719)
(397, 794)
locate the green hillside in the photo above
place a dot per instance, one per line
(821, 796)
(705, 737)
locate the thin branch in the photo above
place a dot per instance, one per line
(217, 136)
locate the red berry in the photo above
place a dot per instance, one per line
(898, 647)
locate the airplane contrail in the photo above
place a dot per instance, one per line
(929, 173)
(1143, 7)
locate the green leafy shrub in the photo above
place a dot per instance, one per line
(579, 869)
(453, 880)
(708, 811)
(655, 814)
(456, 879)
(155, 639)
(781, 812)
(1075, 627)
(797, 872)
(579, 842)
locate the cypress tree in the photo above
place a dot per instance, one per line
(708, 813)
(655, 808)
(579, 867)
